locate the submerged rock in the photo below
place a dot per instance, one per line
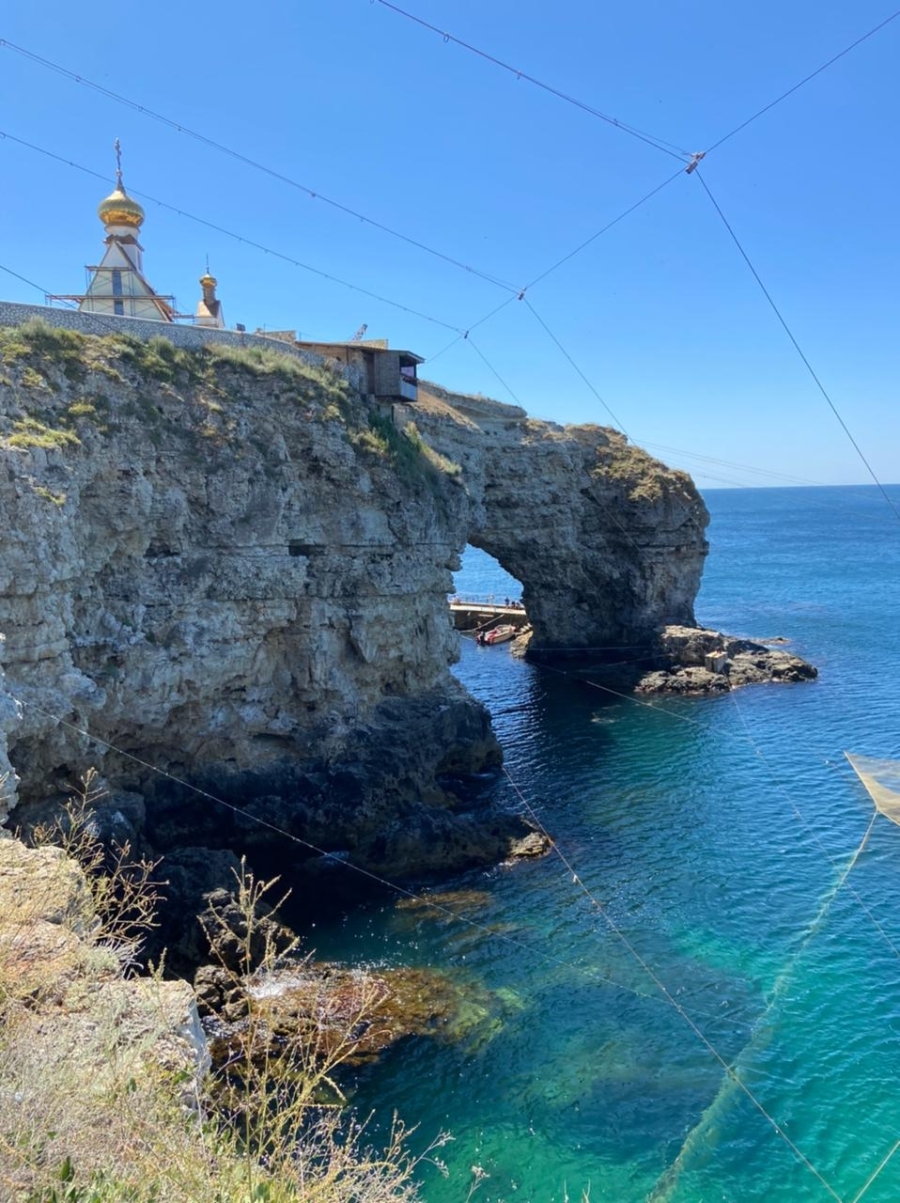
(329, 1006)
(446, 904)
(442, 842)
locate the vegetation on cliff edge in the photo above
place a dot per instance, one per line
(413, 460)
(644, 477)
(47, 361)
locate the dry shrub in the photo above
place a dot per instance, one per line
(124, 895)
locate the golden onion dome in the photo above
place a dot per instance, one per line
(208, 281)
(118, 209)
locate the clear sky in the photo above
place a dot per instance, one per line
(366, 107)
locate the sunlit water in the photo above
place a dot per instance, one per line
(711, 832)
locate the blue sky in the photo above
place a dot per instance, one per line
(366, 107)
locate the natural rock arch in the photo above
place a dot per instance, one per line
(608, 543)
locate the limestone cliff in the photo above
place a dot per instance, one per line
(223, 564)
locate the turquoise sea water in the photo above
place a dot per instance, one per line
(712, 832)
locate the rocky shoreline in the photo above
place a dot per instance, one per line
(227, 570)
(694, 660)
(241, 961)
(223, 585)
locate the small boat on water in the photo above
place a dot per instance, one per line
(498, 634)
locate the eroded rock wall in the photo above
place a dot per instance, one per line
(10, 714)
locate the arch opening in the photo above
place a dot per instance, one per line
(482, 578)
(487, 602)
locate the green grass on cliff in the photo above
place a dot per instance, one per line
(303, 382)
(440, 463)
(30, 432)
(154, 369)
(58, 499)
(643, 476)
(37, 345)
(92, 409)
(405, 451)
(160, 359)
(261, 361)
(156, 358)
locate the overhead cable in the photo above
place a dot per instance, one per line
(658, 143)
(818, 383)
(882, 1165)
(491, 368)
(603, 229)
(474, 326)
(31, 284)
(806, 79)
(749, 739)
(587, 242)
(811, 829)
(313, 194)
(566, 354)
(803, 481)
(445, 348)
(237, 237)
(726, 463)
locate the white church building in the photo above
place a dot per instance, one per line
(118, 286)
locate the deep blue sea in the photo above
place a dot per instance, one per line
(712, 834)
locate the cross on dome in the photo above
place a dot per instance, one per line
(119, 209)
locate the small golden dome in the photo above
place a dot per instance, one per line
(208, 281)
(118, 209)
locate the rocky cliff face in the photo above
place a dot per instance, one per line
(223, 565)
(218, 565)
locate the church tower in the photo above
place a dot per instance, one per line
(209, 308)
(118, 285)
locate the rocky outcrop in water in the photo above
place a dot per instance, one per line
(700, 661)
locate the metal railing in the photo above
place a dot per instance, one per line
(486, 599)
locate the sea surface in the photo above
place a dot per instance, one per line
(699, 933)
